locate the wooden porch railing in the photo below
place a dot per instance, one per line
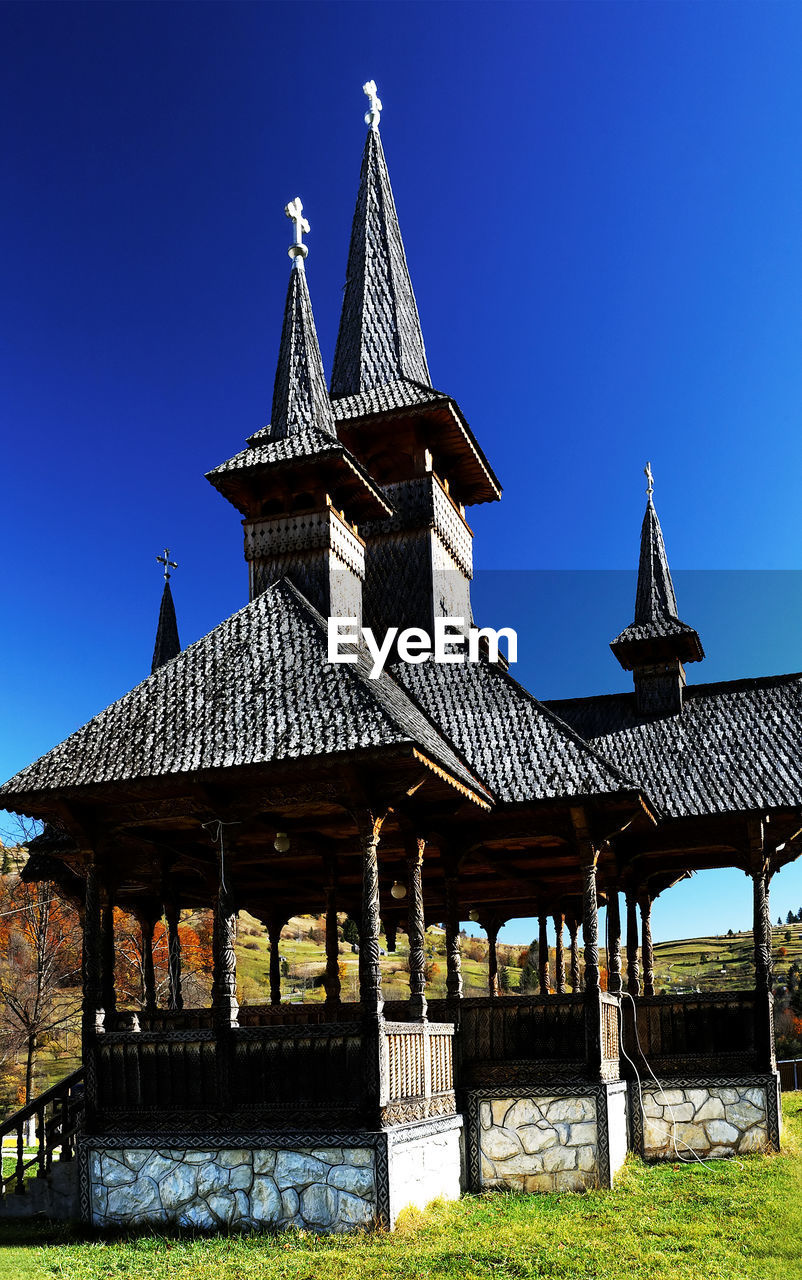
(281, 1072)
(676, 1033)
(57, 1113)
(519, 1034)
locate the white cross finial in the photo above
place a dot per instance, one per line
(373, 114)
(297, 249)
(647, 471)
(167, 562)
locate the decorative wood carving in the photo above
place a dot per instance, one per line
(614, 980)
(647, 952)
(543, 955)
(633, 967)
(416, 929)
(559, 956)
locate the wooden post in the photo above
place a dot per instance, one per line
(175, 998)
(374, 1069)
(147, 926)
(108, 994)
(275, 924)
(390, 930)
(92, 1009)
(647, 951)
(224, 935)
(573, 930)
(491, 928)
(370, 980)
(559, 956)
(590, 931)
(614, 982)
(453, 955)
(760, 870)
(543, 955)
(416, 930)
(633, 968)
(332, 978)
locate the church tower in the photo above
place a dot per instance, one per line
(299, 489)
(412, 439)
(655, 646)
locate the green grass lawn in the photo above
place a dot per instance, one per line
(719, 1221)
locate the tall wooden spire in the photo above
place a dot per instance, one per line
(380, 338)
(300, 396)
(657, 643)
(168, 645)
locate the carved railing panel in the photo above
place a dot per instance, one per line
(419, 1071)
(610, 1028)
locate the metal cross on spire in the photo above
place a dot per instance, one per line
(167, 562)
(375, 110)
(297, 250)
(647, 471)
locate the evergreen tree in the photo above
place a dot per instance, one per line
(351, 931)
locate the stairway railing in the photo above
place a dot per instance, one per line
(57, 1112)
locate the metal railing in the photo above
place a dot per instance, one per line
(790, 1070)
(57, 1112)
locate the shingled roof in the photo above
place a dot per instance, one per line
(256, 690)
(656, 633)
(736, 746)
(517, 745)
(380, 337)
(167, 644)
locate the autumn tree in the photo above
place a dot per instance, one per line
(40, 961)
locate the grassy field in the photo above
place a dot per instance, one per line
(718, 1221)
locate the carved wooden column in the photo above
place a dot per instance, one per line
(614, 981)
(647, 951)
(573, 930)
(590, 924)
(453, 954)
(543, 955)
(416, 930)
(175, 998)
(108, 995)
(559, 956)
(275, 924)
(491, 928)
(590, 931)
(224, 936)
(760, 870)
(374, 1082)
(147, 926)
(332, 978)
(92, 1009)
(370, 981)
(633, 968)
(391, 931)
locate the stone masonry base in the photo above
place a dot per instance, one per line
(706, 1118)
(319, 1182)
(541, 1138)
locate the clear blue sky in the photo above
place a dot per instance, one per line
(601, 205)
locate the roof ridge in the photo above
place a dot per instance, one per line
(740, 682)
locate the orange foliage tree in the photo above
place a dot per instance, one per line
(195, 936)
(40, 963)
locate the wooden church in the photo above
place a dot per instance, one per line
(250, 772)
